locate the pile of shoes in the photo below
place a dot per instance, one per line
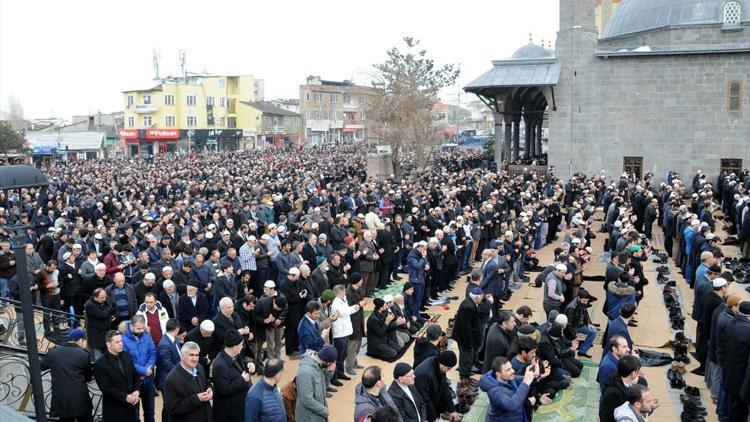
(680, 347)
(675, 378)
(661, 257)
(466, 391)
(676, 319)
(740, 268)
(692, 406)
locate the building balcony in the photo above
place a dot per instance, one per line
(351, 106)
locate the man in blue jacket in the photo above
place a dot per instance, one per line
(263, 402)
(417, 266)
(508, 392)
(619, 326)
(141, 348)
(309, 335)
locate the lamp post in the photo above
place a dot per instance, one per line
(16, 178)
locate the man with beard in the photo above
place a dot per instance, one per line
(296, 295)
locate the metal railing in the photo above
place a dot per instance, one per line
(15, 383)
(60, 323)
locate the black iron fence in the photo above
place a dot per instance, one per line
(59, 325)
(15, 383)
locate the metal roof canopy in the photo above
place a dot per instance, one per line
(508, 75)
(19, 176)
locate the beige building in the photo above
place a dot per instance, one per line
(334, 112)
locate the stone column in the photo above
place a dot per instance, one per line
(516, 134)
(499, 144)
(528, 129)
(538, 137)
(507, 119)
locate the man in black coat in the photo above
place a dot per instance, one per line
(736, 365)
(433, 385)
(118, 381)
(226, 320)
(70, 366)
(499, 337)
(187, 394)
(231, 379)
(381, 332)
(411, 409)
(466, 331)
(192, 308)
(99, 313)
(203, 336)
(615, 391)
(296, 296)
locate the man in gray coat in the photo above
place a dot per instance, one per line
(311, 385)
(371, 394)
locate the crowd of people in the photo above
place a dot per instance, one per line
(186, 277)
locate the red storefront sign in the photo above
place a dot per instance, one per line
(129, 134)
(163, 134)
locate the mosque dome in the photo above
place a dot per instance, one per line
(532, 51)
(643, 15)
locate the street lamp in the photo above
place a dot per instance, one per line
(14, 178)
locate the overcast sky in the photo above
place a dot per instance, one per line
(72, 57)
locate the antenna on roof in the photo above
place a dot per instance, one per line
(155, 63)
(183, 63)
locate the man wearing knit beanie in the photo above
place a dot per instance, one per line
(404, 393)
(434, 387)
(381, 336)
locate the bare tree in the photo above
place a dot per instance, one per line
(410, 83)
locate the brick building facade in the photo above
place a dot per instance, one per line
(664, 88)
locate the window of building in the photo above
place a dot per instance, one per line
(735, 95)
(235, 83)
(266, 120)
(347, 99)
(731, 165)
(146, 99)
(131, 121)
(222, 83)
(334, 98)
(307, 96)
(317, 96)
(633, 166)
(192, 121)
(318, 115)
(222, 101)
(191, 100)
(362, 116)
(170, 121)
(732, 13)
(131, 100)
(222, 121)
(146, 121)
(169, 99)
(209, 101)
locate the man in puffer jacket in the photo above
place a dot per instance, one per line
(507, 392)
(141, 348)
(619, 293)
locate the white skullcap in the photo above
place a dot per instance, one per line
(561, 267)
(508, 233)
(719, 282)
(695, 222)
(618, 224)
(294, 270)
(270, 284)
(207, 325)
(388, 298)
(167, 284)
(561, 319)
